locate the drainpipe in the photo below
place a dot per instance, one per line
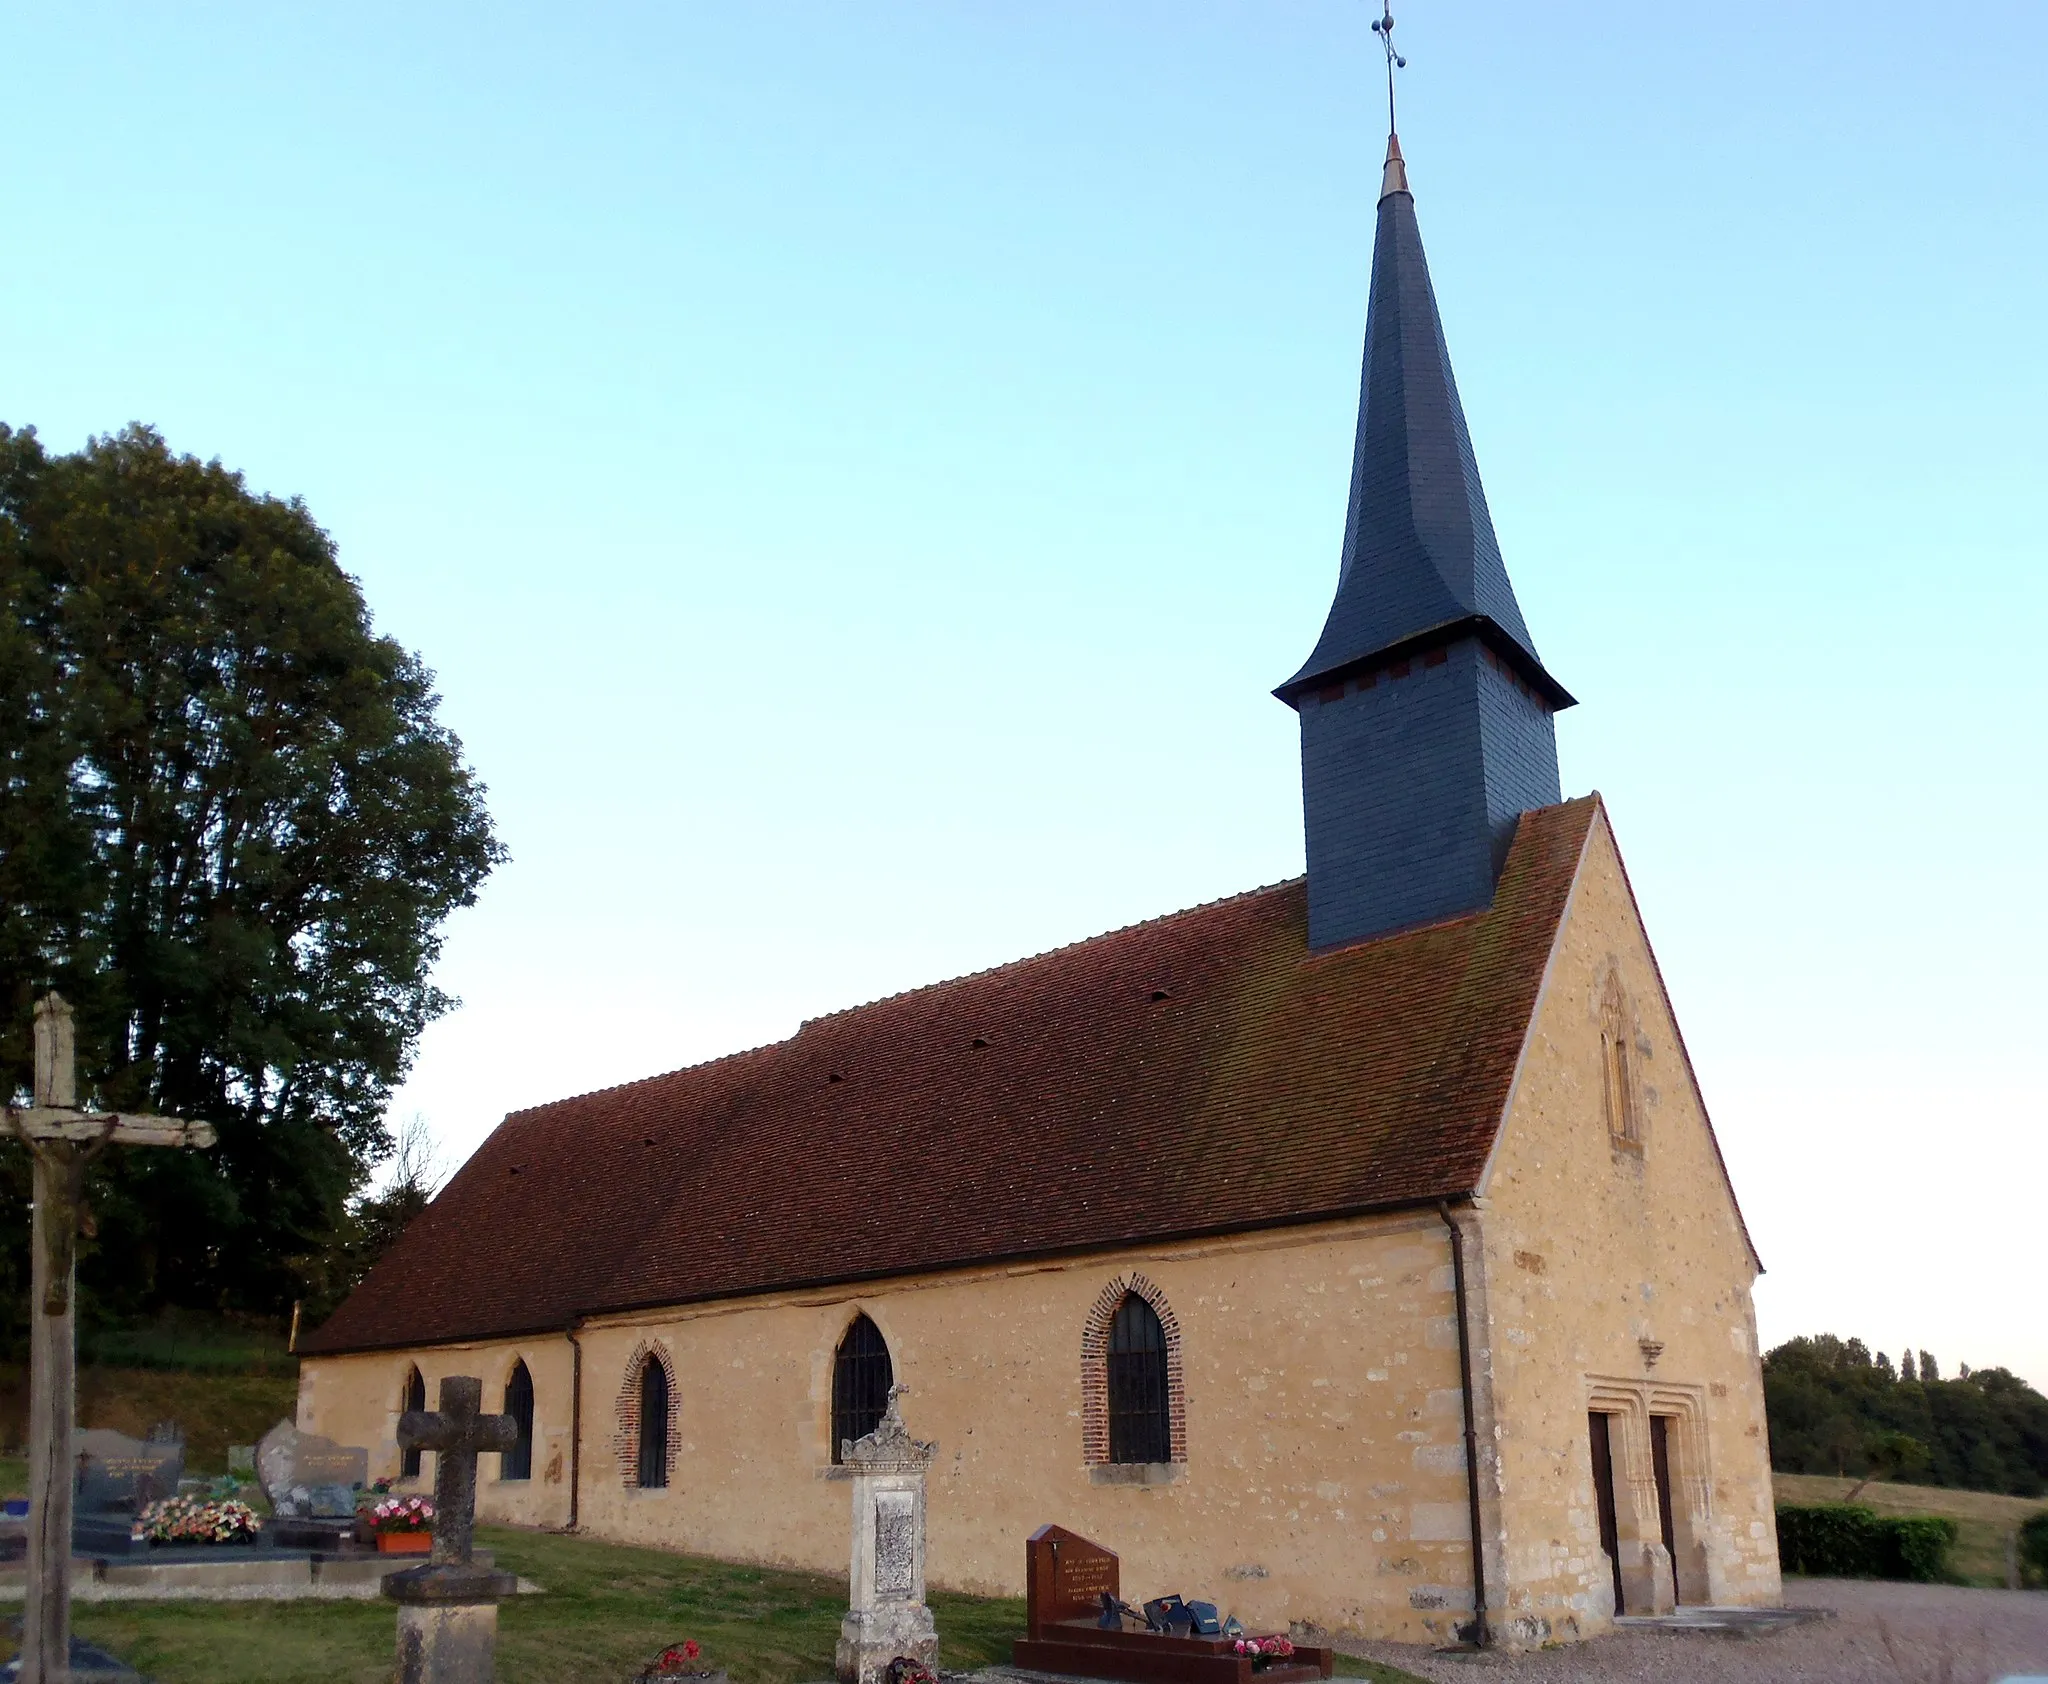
(575, 1421)
(1480, 1635)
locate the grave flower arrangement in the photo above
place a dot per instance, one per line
(401, 1514)
(904, 1670)
(679, 1661)
(193, 1520)
(1264, 1650)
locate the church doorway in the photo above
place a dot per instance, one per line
(1660, 1460)
(1603, 1497)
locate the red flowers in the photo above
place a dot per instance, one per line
(677, 1657)
(1264, 1648)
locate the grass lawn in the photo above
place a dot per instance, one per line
(607, 1610)
(1983, 1518)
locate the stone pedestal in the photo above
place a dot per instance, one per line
(448, 1622)
(886, 1614)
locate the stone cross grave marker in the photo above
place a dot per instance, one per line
(62, 1140)
(886, 1614)
(448, 1609)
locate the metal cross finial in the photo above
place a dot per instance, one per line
(1383, 27)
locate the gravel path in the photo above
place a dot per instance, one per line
(1882, 1634)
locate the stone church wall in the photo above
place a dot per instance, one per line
(1320, 1422)
(1617, 1279)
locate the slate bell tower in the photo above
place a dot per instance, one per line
(1426, 717)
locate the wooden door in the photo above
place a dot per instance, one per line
(1660, 1457)
(1603, 1498)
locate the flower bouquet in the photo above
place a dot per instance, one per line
(192, 1520)
(403, 1525)
(904, 1670)
(1264, 1651)
(677, 1664)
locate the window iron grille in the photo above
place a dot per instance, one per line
(1140, 1427)
(653, 1469)
(861, 1377)
(415, 1399)
(517, 1463)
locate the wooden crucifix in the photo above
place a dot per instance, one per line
(63, 1140)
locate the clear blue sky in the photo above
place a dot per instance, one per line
(857, 472)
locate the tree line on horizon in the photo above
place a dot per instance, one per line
(1835, 1407)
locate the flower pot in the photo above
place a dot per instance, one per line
(404, 1543)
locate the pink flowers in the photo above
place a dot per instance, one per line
(402, 1514)
(188, 1520)
(1264, 1648)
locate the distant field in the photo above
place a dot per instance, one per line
(1983, 1518)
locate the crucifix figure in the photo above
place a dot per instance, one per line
(448, 1609)
(63, 1140)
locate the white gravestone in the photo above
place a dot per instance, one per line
(886, 1616)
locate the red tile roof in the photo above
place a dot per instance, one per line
(1201, 1073)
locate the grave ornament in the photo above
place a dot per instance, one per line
(1077, 1624)
(448, 1609)
(886, 1617)
(307, 1477)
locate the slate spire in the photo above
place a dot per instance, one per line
(1425, 712)
(1419, 553)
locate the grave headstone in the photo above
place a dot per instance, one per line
(1066, 1577)
(309, 1477)
(119, 1474)
(886, 1617)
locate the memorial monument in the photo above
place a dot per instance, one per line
(448, 1609)
(886, 1616)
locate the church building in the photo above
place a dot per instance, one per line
(1355, 1252)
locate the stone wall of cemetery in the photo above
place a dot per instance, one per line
(1616, 1277)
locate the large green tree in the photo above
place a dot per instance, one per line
(232, 829)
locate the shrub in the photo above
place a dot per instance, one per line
(1827, 1540)
(1915, 1546)
(2034, 1545)
(1848, 1541)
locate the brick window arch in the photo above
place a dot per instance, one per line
(645, 1442)
(1129, 1317)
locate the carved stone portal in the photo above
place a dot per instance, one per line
(886, 1615)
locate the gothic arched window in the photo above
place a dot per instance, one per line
(861, 1377)
(517, 1463)
(1140, 1425)
(412, 1396)
(652, 1467)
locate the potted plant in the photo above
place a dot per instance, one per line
(403, 1525)
(677, 1664)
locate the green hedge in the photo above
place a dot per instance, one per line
(1848, 1541)
(2034, 1546)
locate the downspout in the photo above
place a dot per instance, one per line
(1480, 1635)
(575, 1422)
